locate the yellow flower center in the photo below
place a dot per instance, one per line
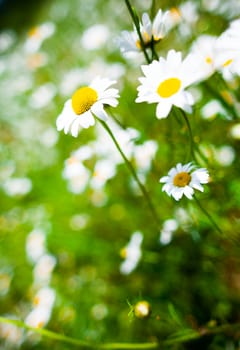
(146, 40)
(83, 99)
(169, 87)
(34, 33)
(181, 179)
(208, 60)
(225, 64)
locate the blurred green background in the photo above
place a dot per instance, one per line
(68, 237)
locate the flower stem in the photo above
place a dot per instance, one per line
(135, 19)
(190, 134)
(207, 215)
(132, 171)
(180, 339)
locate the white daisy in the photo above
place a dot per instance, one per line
(151, 31)
(181, 180)
(37, 35)
(165, 81)
(228, 50)
(86, 102)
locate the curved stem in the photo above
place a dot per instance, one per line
(208, 215)
(132, 171)
(137, 26)
(182, 338)
(190, 134)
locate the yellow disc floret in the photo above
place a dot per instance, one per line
(181, 179)
(83, 99)
(169, 87)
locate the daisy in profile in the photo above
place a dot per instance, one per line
(87, 102)
(151, 31)
(165, 82)
(183, 180)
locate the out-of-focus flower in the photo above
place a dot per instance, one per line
(150, 32)
(165, 82)
(225, 155)
(211, 109)
(144, 154)
(86, 102)
(37, 35)
(18, 186)
(76, 174)
(142, 309)
(7, 39)
(104, 170)
(43, 269)
(12, 334)
(235, 131)
(181, 180)
(36, 60)
(35, 245)
(131, 253)
(228, 50)
(42, 96)
(95, 37)
(45, 297)
(204, 49)
(169, 226)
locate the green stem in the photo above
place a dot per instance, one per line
(132, 171)
(183, 338)
(137, 26)
(208, 215)
(190, 134)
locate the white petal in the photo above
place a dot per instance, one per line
(98, 110)
(86, 119)
(163, 110)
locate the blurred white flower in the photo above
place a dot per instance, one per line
(228, 50)
(169, 226)
(76, 174)
(131, 253)
(42, 96)
(235, 131)
(12, 334)
(37, 35)
(103, 171)
(7, 39)
(35, 245)
(225, 155)
(43, 269)
(95, 37)
(86, 102)
(45, 297)
(165, 82)
(144, 154)
(18, 186)
(211, 109)
(182, 181)
(204, 49)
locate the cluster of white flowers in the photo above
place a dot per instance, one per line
(164, 82)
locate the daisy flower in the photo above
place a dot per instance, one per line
(165, 81)
(86, 102)
(228, 50)
(37, 35)
(150, 30)
(181, 180)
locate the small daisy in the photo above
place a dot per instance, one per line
(86, 102)
(182, 181)
(165, 81)
(151, 31)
